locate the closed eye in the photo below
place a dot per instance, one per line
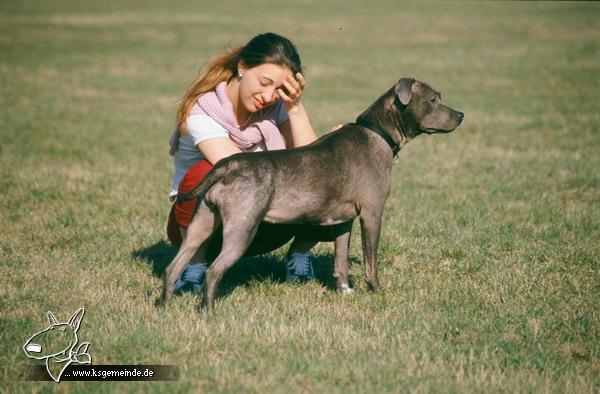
(264, 81)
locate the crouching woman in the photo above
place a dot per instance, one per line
(247, 100)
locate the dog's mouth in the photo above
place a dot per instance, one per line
(438, 131)
(454, 120)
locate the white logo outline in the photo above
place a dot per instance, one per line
(57, 360)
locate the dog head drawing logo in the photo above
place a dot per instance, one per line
(57, 345)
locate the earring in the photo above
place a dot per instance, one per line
(240, 75)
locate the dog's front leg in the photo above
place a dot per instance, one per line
(342, 245)
(370, 225)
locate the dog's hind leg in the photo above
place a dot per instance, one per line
(342, 244)
(370, 225)
(237, 236)
(203, 224)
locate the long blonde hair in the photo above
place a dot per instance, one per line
(264, 48)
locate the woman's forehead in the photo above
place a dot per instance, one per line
(273, 71)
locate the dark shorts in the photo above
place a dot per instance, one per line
(268, 237)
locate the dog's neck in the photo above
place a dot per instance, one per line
(385, 118)
(57, 364)
(379, 131)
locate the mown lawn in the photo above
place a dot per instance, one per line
(490, 249)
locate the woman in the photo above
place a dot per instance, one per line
(247, 100)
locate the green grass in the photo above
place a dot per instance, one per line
(490, 249)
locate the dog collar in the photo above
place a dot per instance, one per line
(379, 131)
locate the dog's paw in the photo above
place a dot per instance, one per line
(346, 289)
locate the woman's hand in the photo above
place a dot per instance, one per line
(297, 130)
(291, 90)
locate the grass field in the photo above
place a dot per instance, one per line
(490, 249)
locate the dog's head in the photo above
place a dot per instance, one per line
(420, 109)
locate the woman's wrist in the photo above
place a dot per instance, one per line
(301, 129)
(294, 109)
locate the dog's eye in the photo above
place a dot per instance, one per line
(433, 100)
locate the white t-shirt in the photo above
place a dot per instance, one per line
(201, 128)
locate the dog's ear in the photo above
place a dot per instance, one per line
(52, 319)
(75, 320)
(404, 90)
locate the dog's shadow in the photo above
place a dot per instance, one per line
(248, 269)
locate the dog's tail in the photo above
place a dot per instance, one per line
(209, 180)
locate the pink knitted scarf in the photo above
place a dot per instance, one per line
(216, 104)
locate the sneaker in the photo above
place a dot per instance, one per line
(191, 279)
(299, 267)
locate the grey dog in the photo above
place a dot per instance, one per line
(343, 175)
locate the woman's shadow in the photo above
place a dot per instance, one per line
(248, 269)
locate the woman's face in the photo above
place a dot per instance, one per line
(258, 85)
